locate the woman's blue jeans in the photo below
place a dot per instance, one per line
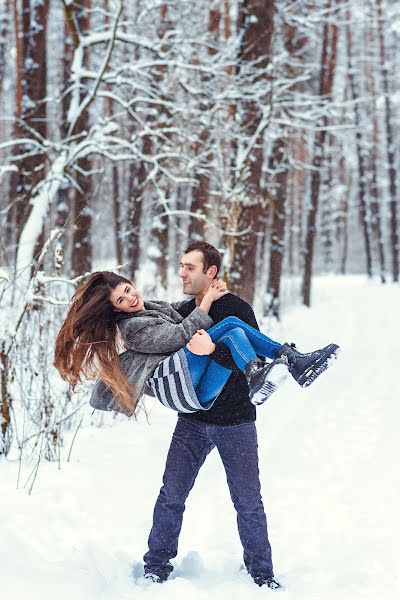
(244, 342)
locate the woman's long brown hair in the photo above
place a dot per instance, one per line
(87, 341)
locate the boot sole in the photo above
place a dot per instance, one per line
(319, 367)
(276, 376)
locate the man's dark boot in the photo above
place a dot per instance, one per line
(264, 378)
(305, 368)
(156, 575)
(269, 582)
(154, 578)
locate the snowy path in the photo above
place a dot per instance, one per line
(329, 474)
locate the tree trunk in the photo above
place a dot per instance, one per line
(328, 208)
(5, 25)
(81, 232)
(30, 113)
(117, 206)
(63, 204)
(328, 63)
(161, 221)
(200, 193)
(278, 225)
(361, 163)
(376, 222)
(281, 193)
(345, 233)
(5, 415)
(256, 21)
(342, 221)
(390, 148)
(81, 242)
(7, 229)
(137, 181)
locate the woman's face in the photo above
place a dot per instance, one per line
(125, 298)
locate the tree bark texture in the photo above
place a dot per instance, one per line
(374, 188)
(390, 149)
(5, 403)
(201, 191)
(30, 23)
(82, 191)
(256, 22)
(361, 159)
(328, 64)
(278, 225)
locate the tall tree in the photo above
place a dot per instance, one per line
(256, 25)
(64, 199)
(6, 15)
(5, 402)
(137, 182)
(293, 43)
(374, 158)
(78, 18)
(360, 151)
(278, 200)
(5, 27)
(327, 71)
(30, 26)
(201, 191)
(161, 193)
(390, 146)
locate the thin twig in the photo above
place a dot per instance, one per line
(74, 436)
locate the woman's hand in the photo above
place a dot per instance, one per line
(201, 343)
(216, 290)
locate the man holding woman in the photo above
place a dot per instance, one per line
(208, 382)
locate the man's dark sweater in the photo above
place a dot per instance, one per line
(232, 406)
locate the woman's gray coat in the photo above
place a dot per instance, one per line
(149, 336)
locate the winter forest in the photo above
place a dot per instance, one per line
(130, 127)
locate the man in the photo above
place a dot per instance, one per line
(228, 426)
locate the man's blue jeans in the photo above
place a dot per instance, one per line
(244, 343)
(190, 445)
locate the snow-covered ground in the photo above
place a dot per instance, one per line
(330, 476)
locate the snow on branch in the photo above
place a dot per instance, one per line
(33, 227)
(74, 115)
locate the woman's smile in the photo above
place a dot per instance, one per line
(125, 298)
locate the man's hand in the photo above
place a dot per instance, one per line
(201, 343)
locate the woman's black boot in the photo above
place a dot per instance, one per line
(305, 368)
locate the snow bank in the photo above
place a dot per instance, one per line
(330, 482)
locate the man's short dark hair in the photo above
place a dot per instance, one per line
(211, 256)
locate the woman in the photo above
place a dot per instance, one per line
(167, 356)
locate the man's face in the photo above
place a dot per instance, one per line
(195, 281)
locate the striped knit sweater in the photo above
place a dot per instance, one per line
(171, 384)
